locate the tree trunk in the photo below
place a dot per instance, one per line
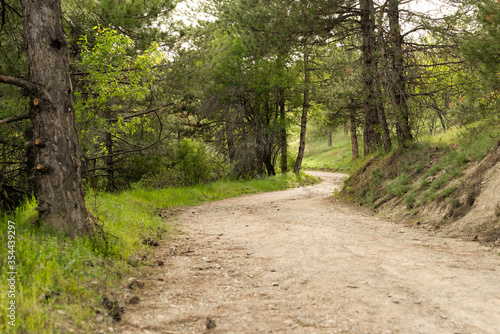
(268, 161)
(284, 143)
(371, 120)
(354, 136)
(303, 123)
(57, 177)
(330, 137)
(398, 86)
(386, 136)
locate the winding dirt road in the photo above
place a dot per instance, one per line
(296, 261)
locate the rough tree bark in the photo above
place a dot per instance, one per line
(371, 116)
(303, 123)
(398, 86)
(57, 178)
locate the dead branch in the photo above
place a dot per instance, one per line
(14, 118)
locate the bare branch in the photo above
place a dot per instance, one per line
(142, 113)
(14, 118)
(30, 87)
(130, 151)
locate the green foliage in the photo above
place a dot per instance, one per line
(116, 85)
(192, 163)
(138, 19)
(483, 48)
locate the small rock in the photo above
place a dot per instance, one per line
(160, 263)
(150, 242)
(134, 283)
(60, 311)
(133, 260)
(211, 323)
(276, 284)
(134, 300)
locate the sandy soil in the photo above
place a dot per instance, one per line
(296, 261)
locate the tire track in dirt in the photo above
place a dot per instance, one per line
(297, 261)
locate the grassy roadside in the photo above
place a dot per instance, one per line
(430, 170)
(61, 283)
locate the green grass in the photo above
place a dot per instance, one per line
(319, 156)
(61, 281)
(399, 186)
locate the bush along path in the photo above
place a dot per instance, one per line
(298, 261)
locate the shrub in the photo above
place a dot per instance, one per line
(192, 163)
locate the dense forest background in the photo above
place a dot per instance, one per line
(166, 96)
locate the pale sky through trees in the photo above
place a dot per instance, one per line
(431, 7)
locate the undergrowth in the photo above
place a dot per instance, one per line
(61, 282)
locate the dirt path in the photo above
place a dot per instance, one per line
(297, 262)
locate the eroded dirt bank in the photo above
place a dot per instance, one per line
(297, 262)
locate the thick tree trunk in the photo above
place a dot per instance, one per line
(303, 123)
(57, 179)
(398, 86)
(284, 142)
(354, 136)
(371, 119)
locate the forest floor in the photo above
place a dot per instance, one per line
(298, 261)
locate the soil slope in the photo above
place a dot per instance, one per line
(297, 261)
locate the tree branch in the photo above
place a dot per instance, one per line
(142, 113)
(131, 151)
(30, 87)
(15, 118)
